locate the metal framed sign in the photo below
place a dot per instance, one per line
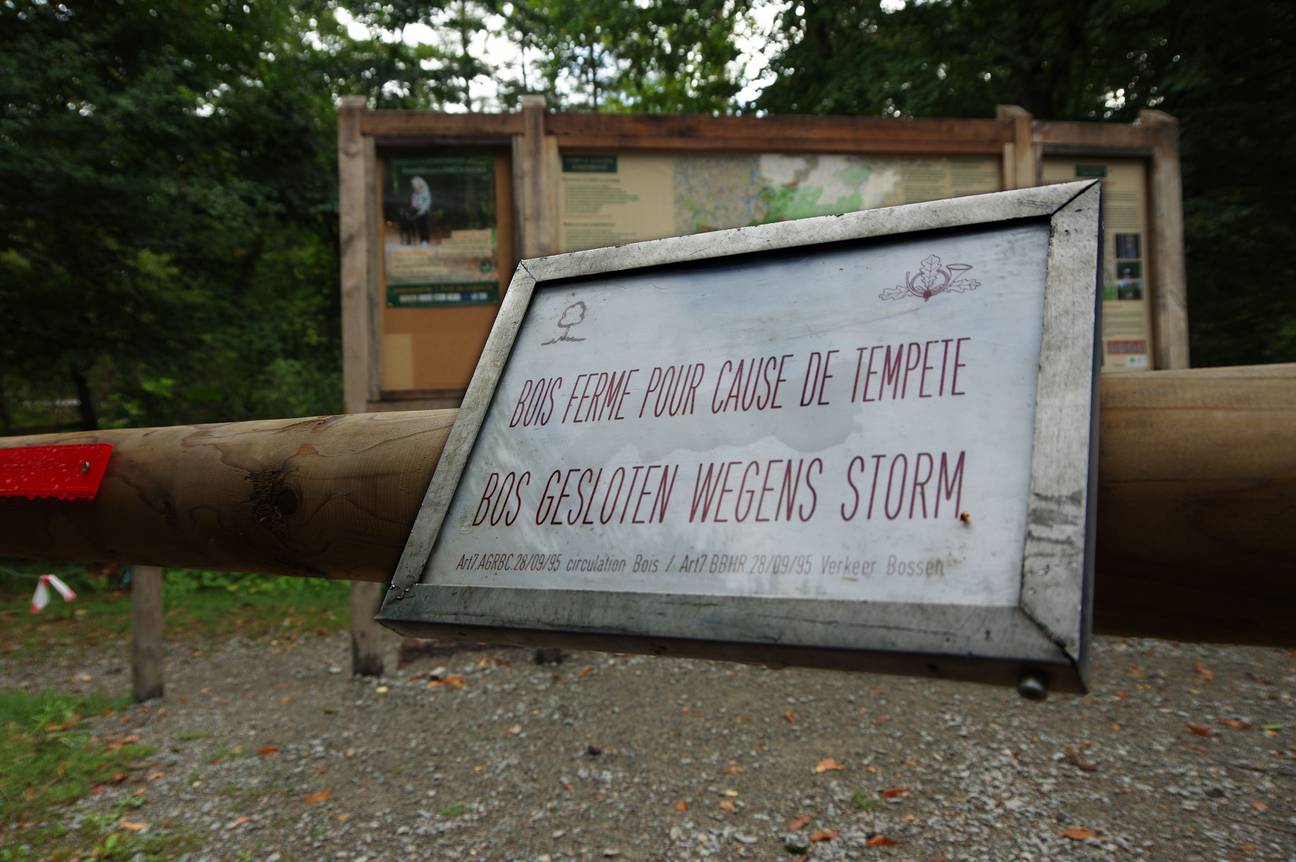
(862, 441)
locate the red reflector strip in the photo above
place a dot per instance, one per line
(71, 472)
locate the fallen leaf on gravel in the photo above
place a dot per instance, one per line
(515, 729)
(882, 719)
(132, 825)
(342, 817)
(1071, 756)
(286, 700)
(1204, 673)
(1135, 671)
(789, 715)
(726, 805)
(729, 791)
(734, 769)
(1246, 848)
(449, 682)
(118, 743)
(681, 806)
(1115, 725)
(822, 835)
(1234, 723)
(118, 777)
(1199, 729)
(316, 798)
(585, 671)
(1078, 833)
(1260, 806)
(267, 750)
(799, 823)
(893, 792)
(828, 765)
(382, 689)
(881, 841)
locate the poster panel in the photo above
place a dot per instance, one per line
(1126, 280)
(439, 231)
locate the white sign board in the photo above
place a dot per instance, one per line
(861, 440)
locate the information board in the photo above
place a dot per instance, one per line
(1127, 271)
(864, 436)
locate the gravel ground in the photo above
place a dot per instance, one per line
(271, 751)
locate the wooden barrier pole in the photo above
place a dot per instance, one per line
(146, 632)
(1197, 489)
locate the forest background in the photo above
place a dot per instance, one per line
(168, 191)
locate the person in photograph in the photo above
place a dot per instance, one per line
(420, 203)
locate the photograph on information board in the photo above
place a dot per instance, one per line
(439, 231)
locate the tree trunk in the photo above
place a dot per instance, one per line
(85, 402)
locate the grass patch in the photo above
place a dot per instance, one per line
(864, 802)
(190, 735)
(455, 810)
(48, 758)
(198, 604)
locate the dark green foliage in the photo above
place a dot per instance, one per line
(166, 212)
(661, 57)
(168, 225)
(1221, 67)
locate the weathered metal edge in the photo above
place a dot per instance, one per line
(895, 630)
(454, 457)
(1057, 559)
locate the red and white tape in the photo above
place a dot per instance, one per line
(42, 596)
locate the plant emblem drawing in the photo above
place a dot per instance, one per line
(932, 278)
(573, 315)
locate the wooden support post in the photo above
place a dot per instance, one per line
(1196, 484)
(366, 635)
(1170, 293)
(146, 632)
(360, 367)
(1022, 161)
(535, 177)
(359, 347)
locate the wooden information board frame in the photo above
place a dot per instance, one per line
(530, 144)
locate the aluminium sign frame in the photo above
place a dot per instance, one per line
(1046, 634)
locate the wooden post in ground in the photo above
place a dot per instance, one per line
(1170, 312)
(356, 167)
(366, 635)
(146, 632)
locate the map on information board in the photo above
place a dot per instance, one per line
(608, 199)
